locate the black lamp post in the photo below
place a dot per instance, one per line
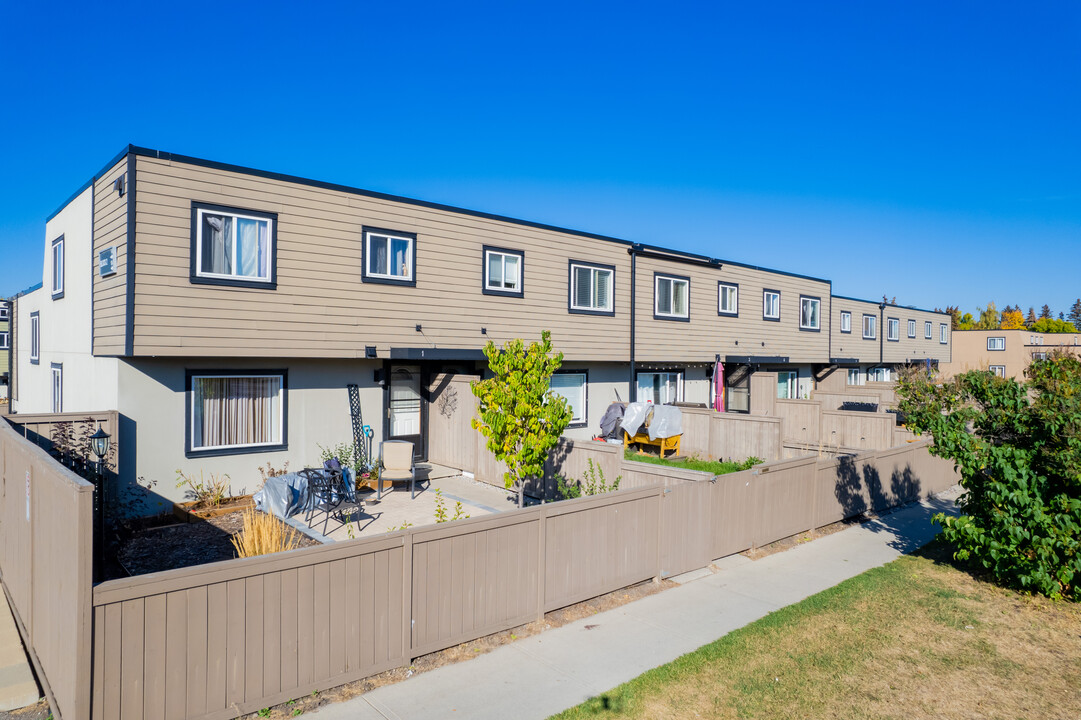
(99, 444)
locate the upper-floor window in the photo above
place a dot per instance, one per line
(591, 288)
(670, 297)
(996, 343)
(893, 329)
(771, 305)
(999, 370)
(5, 340)
(660, 388)
(943, 330)
(727, 299)
(870, 331)
(503, 271)
(912, 328)
(927, 330)
(878, 374)
(810, 309)
(236, 412)
(4, 312)
(390, 256)
(58, 268)
(846, 321)
(233, 247)
(572, 386)
(35, 338)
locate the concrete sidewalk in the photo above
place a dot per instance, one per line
(17, 685)
(558, 669)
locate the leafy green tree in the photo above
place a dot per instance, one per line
(520, 416)
(989, 318)
(1075, 313)
(1050, 325)
(1017, 447)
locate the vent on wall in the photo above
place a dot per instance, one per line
(118, 185)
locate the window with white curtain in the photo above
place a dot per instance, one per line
(727, 299)
(591, 288)
(670, 296)
(502, 271)
(572, 386)
(893, 329)
(771, 305)
(233, 245)
(390, 256)
(810, 309)
(660, 388)
(846, 322)
(232, 412)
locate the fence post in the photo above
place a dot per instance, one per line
(660, 533)
(542, 573)
(407, 598)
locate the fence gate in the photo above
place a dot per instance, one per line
(685, 527)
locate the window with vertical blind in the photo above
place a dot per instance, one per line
(591, 288)
(572, 386)
(670, 297)
(232, 246)
(236, 412)
(503, 271)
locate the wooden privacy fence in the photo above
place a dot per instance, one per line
(229, 638)
(39, 429)
(46, 514)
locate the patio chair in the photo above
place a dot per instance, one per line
(396, 465)
(326, 492)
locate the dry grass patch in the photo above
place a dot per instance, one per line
(915, 639)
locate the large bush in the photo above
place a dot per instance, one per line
(1017, 447)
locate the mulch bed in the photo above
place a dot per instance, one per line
(179, 545)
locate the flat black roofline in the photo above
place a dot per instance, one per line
(893, 305)
(172, 157)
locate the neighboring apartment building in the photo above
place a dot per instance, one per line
(223, 312)
(1006, 353)
(5, 348)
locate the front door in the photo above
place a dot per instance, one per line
(405, 411)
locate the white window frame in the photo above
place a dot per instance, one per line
(873, 335)
(873, 373)
(726, 289)
(35, 338)
(674, 280)
(928, 330)
(236, 215)
(593, 271)
(858, 375)
(912, 328)
(998, 370)
(942, 333)
(674, 378)
(846, 321)
(5, 340)
(818, 314)
(893, 329)
(58, 267)
(1039, 356)
(4, 312)
(791, 384)
(410, 254)
(210, 449)
(57, 373)
(581, 418)
(489, 252)
(996, 343)
(766, 295)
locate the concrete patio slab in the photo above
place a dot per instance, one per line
(17, 685)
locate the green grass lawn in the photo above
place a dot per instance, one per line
(713, 466)
(914, 639)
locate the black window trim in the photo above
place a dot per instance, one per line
(863, 327)
(941, 327)
(928, 330)
(6, 335)
(570, 288)
(53, 367)
(36, 315)
(765, 317)
(669, 276)
(912, 332)
(996, 337)
(725, 313)
(520, 292)
(585, 395)
(365, 277)
(197, 279)
(841, 324)
(189, 373)
(58, 294)
(898, 321)
(803, 297)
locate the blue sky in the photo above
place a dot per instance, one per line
(930, 151)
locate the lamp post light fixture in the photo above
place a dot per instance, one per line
(99, 445)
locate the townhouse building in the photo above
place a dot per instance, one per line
(1007, 353)
(5, 347)
(235, 316)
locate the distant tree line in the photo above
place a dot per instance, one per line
(1012, 318)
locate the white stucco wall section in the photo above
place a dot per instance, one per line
(89, 383)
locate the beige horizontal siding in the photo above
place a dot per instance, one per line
(852, 345)
(321, 308)
(707, 334)
(110, 294)
(917, 348)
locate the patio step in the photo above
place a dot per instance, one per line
(17, 685)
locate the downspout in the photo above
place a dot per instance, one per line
(881, 331)
(632, 392)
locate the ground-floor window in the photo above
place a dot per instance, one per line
(660, 388)
(572, 386)
(787, 385)
(854, 376)
(235, 412)
(999, 370)
(878, 374)
(58, 387)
